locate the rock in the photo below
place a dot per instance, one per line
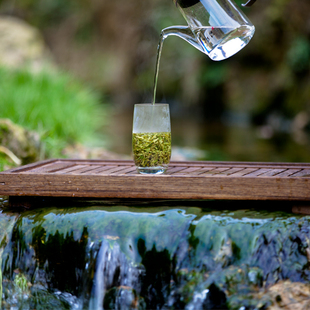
(91, 254)
(123, 297)
(289, 295)
(24, 144)
(21, 44)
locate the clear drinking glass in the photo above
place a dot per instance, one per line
(151, 138)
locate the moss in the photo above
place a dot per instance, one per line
(57, 106)
(174, 256)
(21, 282)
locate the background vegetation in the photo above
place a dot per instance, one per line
(70, 112)
(111, 47)
(53, 104)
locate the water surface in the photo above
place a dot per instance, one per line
(118, 254)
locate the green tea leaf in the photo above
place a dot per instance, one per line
(151, 149)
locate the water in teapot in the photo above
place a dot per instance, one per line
(215, 27)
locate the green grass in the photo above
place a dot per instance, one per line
(60, 108)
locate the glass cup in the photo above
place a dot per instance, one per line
(151, 138)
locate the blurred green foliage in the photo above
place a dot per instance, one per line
(298, 55)
(60, 108)
(112, 46)
(5, 163)
(41, 12)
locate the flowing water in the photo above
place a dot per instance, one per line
(159, 51)
(70, 254)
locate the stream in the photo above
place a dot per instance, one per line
(231, 139)
(118, 254)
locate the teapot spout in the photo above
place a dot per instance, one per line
(184, 33)
(249, 3)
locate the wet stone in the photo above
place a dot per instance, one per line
(119, 257)
(123, 298)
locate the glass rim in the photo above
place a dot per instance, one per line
(151, 104)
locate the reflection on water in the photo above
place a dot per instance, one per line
(69, 254)
(234, 139)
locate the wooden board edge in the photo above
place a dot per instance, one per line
(159, 187)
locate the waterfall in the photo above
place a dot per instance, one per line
(113, 269)
(152, 258)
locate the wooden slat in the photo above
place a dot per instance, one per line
(82, 169)
(258, 172)
(127, 170)
(102, 169)
(230, 171)
(69, 169)
(175, 169)
(288, 173)
(272, 172)
(183, 180)
(214, 172)
(188, 171)
(202, 171)
(244, 172)
(30, 166)
(51, 167)
(242, 164)
(112, 170)
(305, 173)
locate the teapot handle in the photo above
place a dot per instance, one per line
(249, 3)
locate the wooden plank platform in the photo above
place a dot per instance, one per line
(183, 180)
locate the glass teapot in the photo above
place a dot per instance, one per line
(215, 27)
